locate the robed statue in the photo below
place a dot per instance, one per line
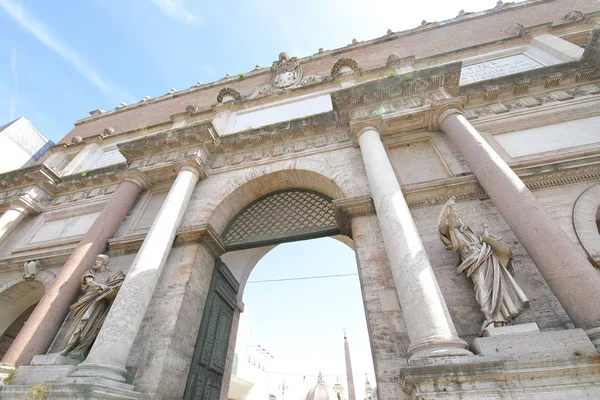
(90, 310)
(487, 261)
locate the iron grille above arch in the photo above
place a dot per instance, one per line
(282, 216)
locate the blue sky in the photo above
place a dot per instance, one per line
(61, 59)
(302, 322)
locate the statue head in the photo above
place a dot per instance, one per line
(283, 56)
(100, 263)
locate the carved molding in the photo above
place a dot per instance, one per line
(468, 188)
(202, 134)
(503, 106)
(203, 234)
(348, 208)
(227, 91)
(36, 175)
(418, 88)
(344, 62)
(125, 245)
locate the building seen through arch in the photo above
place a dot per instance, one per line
(459, 159)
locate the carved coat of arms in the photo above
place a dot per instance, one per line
(286, 72)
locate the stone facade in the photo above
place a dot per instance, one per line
(505, 120)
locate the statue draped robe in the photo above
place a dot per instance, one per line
(486, 260)
(89, 313)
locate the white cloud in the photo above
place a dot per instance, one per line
(14, 98)
(175, 9)
(18, 13)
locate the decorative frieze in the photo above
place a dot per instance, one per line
(264, 153)
(532, 101)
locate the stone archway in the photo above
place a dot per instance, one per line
(285, 205)
(17, 300)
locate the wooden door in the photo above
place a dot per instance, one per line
(210, 354)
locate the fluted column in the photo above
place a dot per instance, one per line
(428, 323)
(45, 321)
(563, 265)
(10, 219)
(109, 353)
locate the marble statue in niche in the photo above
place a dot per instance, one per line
(487, 261)
(88, 313)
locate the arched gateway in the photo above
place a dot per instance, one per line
(186, 192)
(276, 217)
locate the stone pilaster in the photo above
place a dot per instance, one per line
(428, 322)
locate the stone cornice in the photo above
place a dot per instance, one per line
(545, 79)
(202, 134)
(49, 257)
(125, 245)
(203, 234)
(36, 175)
(348, 208)
(467, 187)
(433, 83)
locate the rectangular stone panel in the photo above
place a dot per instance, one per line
(62, 228)
(417, 162)
(280, 111)
(565, 135)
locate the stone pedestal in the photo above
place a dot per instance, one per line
(540, 365)
(492, 331)
(428, 322)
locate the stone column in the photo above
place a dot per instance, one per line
(563, 265)
(45, 321)
(108, 356)
(429, 326)
(10, 219)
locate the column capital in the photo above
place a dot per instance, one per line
(357, 128)
(439, 112)
(196, 169)
(138, 178)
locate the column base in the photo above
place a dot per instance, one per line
(442, 346)
(594, 335)
(95, 370)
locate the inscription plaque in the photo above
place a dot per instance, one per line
(497, 68)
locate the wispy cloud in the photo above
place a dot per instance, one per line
(175, 9)
(18, 13)
(14, 98)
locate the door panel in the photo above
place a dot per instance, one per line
(210, 355)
